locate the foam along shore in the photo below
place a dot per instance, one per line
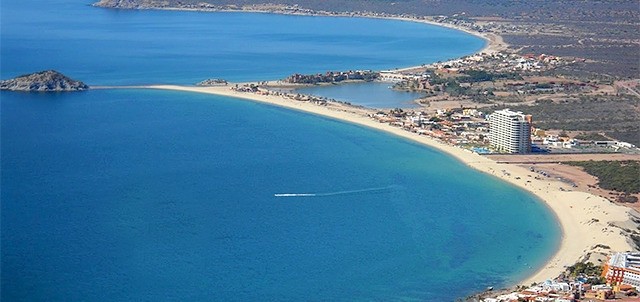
(584, 218)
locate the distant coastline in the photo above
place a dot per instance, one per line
(493, 42)
(585, 219)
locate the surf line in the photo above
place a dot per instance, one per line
(332, 193)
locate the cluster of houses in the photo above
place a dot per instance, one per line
(549, 141)
(464, 127)
(252, 88)
(620, 273)
(572, 291)
(500, 74)
(332, 77)
(501, 62)
(457, 126)
(468, 127)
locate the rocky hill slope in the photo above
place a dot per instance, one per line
(49, 80)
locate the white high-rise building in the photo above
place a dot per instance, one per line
(510, 131)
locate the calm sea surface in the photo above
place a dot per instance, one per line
(139, 195)
(372, 94)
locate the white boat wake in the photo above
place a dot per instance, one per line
(295, 195)
(333, 193)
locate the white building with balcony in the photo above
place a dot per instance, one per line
(510, 131)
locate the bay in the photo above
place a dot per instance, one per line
(123, 47)
(156, 195)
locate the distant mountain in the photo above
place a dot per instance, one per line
(49, 80)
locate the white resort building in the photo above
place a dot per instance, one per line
(510, 131)
(623, 268)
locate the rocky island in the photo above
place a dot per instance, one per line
(49, 80)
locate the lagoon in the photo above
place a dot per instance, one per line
(373, 94)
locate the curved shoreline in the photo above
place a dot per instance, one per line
(493, 42)
(585, 219)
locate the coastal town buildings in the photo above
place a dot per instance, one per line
(563, 289)
(623, 268)
(510, 131)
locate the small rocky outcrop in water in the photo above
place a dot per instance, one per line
(49, 80)
(212, 82)
(139, 4)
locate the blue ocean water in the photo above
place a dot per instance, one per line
(109, 47)
(130, 195)
(372, 94)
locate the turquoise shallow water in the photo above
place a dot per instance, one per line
(131, 195)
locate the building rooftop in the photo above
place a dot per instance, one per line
(625, 260)
(508, 112)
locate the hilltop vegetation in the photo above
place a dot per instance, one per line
(591, 137)
(616, 116)
(621, 176)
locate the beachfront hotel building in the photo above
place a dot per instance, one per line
(510, 131)
(623, 268)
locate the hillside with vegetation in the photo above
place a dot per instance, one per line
(620, 176)
(614, 115)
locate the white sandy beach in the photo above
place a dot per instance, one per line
(584, 218)
(495, 43)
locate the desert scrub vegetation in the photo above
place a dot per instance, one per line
(620, 176)
(617, 116)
